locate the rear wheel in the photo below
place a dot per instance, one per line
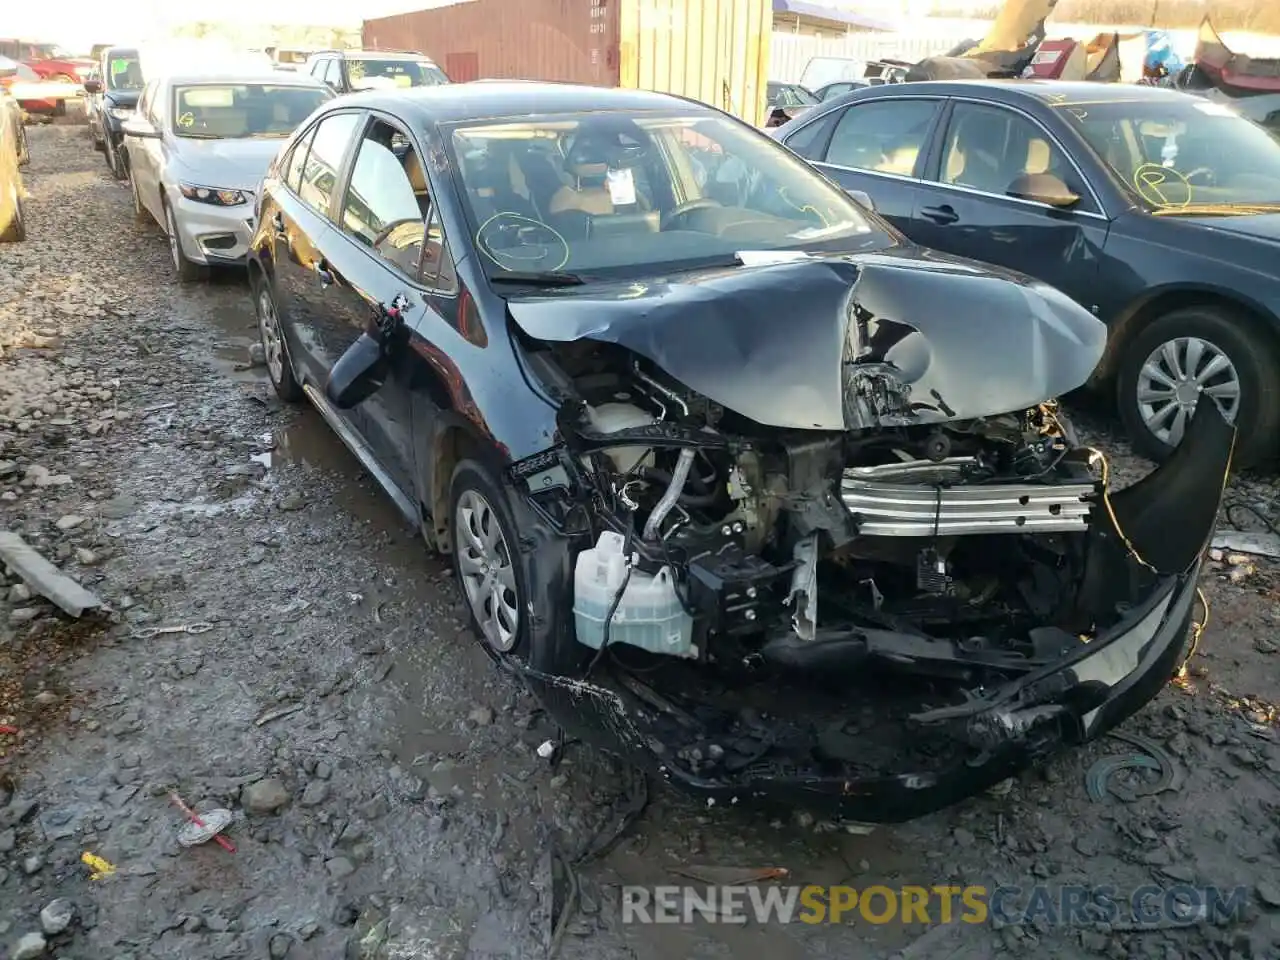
(24, 147)
(1200, 353)
(186, 270)
(274, 347)
(140, 213)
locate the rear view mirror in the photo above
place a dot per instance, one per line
(358, 374)
(862, 198)
(93, 86)
(1043, 188)
(138, 127)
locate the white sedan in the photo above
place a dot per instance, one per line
(198, 147)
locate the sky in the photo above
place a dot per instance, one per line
(81, 23)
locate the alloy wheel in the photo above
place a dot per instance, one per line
(1174, 377)
(485, 565)
(269, 328)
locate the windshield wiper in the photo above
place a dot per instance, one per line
(548, 279)
(1217, 209)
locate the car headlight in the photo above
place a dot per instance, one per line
(120, 113)
(213, 195)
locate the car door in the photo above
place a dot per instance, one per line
(877, 145)
(376, 266)
(304, 236)
(139, 156)
(967, 205)
(151, 152)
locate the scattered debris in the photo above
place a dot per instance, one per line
(203, 827)
(44, 578)
(147, 633)
(277, 714)
(100, 867)
(1100, 779)
(732, 876)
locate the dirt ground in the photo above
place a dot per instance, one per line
(311, 674)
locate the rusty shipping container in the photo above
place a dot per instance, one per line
(716, 51)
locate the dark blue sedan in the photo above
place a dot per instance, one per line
(1156, 210)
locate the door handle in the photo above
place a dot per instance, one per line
(323, 272)
(941, 215)
(278, 222)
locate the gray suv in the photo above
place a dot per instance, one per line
(346, 71)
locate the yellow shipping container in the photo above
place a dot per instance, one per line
(716, 51)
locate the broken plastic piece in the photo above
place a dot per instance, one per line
(207, 827)
(100, 867)
(43, 577)
(547, 749)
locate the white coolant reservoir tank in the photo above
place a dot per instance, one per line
(610, 417)
(649, 615)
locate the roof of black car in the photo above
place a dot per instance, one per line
(1051, 92)
(491, 99)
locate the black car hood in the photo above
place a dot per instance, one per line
(1258, 226)
(834, 343)
(124, 98)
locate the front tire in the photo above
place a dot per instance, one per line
(486, 561)
(16, 230)
(186, 270)
(115, 161)
(274, 346)
(1192, 354)
(140, 213)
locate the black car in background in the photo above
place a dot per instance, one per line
(1156, 210)
(114, 93)
(785, 101)
(714, 449)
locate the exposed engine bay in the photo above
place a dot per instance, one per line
(723, 558)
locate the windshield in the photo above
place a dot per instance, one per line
(1183, 155)
(625, 194)
(215, 111)
(789, 95)
(124, 72)
(371, 74)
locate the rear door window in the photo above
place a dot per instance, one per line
(886, 136)
(324, 160)
(298, 161)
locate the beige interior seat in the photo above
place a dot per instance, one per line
(418, 180)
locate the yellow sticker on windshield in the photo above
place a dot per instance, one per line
(187, 120)
(403, 80)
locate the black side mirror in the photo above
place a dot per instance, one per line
(358, 374)
(93, 86)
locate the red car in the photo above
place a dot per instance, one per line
(48, 60)
(29, 89)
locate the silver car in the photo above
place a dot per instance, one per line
(198, 147)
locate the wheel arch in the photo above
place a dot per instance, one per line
(454, 439)
(1156, 303)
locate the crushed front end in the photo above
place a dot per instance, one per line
(876, 621)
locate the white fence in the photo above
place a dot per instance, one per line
(789, 52)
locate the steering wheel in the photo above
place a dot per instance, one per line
(689, 206)
(391, 227)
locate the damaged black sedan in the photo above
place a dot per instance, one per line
(748, 488)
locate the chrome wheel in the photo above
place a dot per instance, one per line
(488, 577)
(269, 328)
(1175, 376)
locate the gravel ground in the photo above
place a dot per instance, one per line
(388, 796)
